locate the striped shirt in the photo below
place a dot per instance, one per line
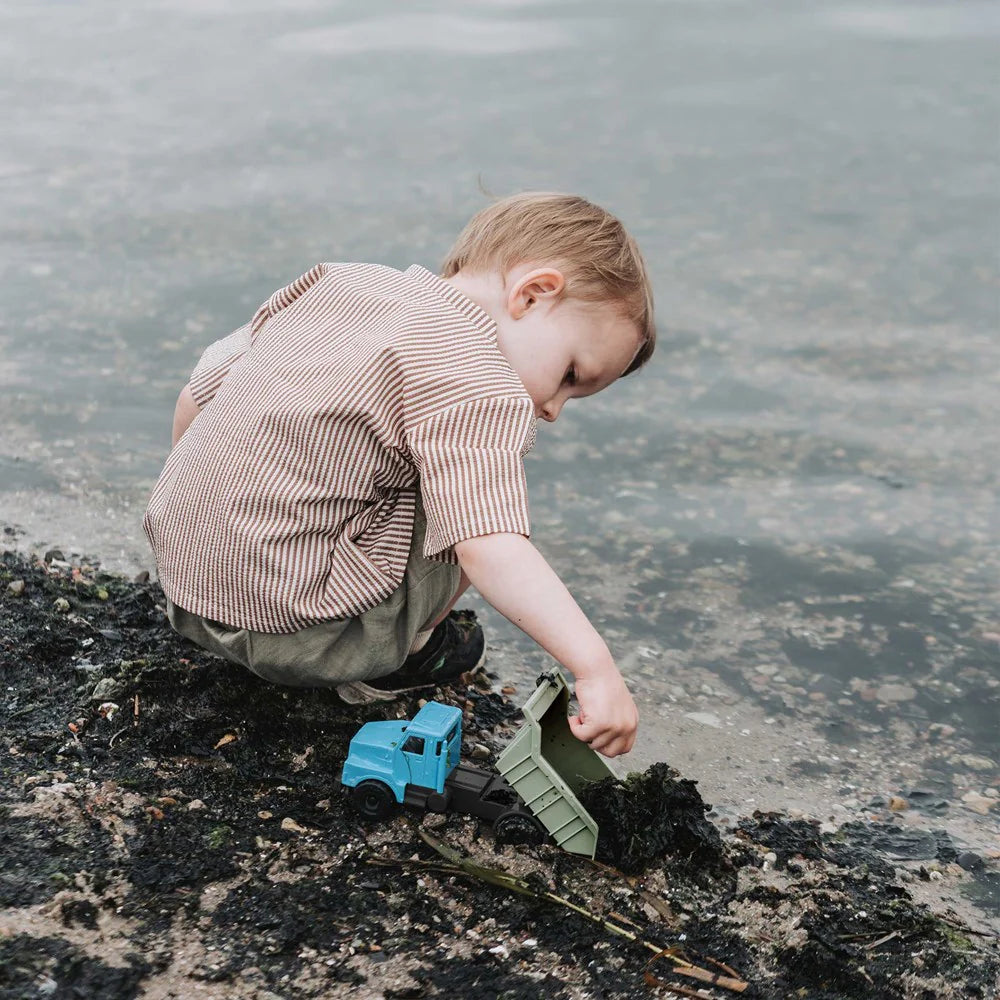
(290, 498)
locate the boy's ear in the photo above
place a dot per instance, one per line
(540, 284)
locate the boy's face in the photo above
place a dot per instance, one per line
(560, 348)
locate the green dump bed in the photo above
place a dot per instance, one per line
(547, 766)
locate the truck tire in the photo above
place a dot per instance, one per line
(517, 828)
(373, 799)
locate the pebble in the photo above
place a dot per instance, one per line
(705, 718)
(289, 824)
(15, 588)
(106, 689)
(61, 605)
(969, 861)
(195, 804)
(480, 752)
(896, 692)
(978, 803)
(975, 762)
(897, 803)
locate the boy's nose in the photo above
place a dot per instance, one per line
(550, 411)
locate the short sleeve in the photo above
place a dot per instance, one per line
(471, 463)
(215, 364)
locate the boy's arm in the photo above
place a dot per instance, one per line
(513, 576)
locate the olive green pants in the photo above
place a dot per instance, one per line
(334, 652)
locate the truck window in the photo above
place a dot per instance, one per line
(414, 744)
(438, 750)
(452, 734)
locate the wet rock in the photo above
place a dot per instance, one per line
(15, 588)
(975, 762)
(896, 692)
(61, 605)
(480, 752)
(705, 718)
(107, 689)
(969, 861)
(978, 803)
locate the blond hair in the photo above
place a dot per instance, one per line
(600, 260)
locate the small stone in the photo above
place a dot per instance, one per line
(101, 594)
(975, 762)
(195, 804)
(15, 588)
(978, 803)
(897, 803)
(991, 793)
(56, 554)
(771, 858)
(969, 861)
(705, 718)
(941, 730)
(61, 605)
(289, 824)
(896, 692)
(480, 752)
(264, 814)
(141, 577)
(106, 689)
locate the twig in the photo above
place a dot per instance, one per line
(111, 742)
(466, 866)
(882, 940)
(135, 710)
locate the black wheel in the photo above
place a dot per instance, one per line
(373, 799)
(517, 828)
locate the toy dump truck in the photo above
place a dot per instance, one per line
(416, 763)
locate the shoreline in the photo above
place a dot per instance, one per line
(743, 752)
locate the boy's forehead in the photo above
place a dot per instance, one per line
(607, 350)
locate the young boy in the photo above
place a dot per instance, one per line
(347, 463)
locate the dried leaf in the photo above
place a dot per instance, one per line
(228, 738)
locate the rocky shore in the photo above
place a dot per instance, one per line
(171, 827)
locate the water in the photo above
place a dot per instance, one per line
(792, 513)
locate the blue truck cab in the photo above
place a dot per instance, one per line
(407, 755)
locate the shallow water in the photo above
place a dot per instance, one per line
(794, 506)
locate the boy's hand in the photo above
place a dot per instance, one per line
(608, 718)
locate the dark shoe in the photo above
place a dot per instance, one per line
(455, 647)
